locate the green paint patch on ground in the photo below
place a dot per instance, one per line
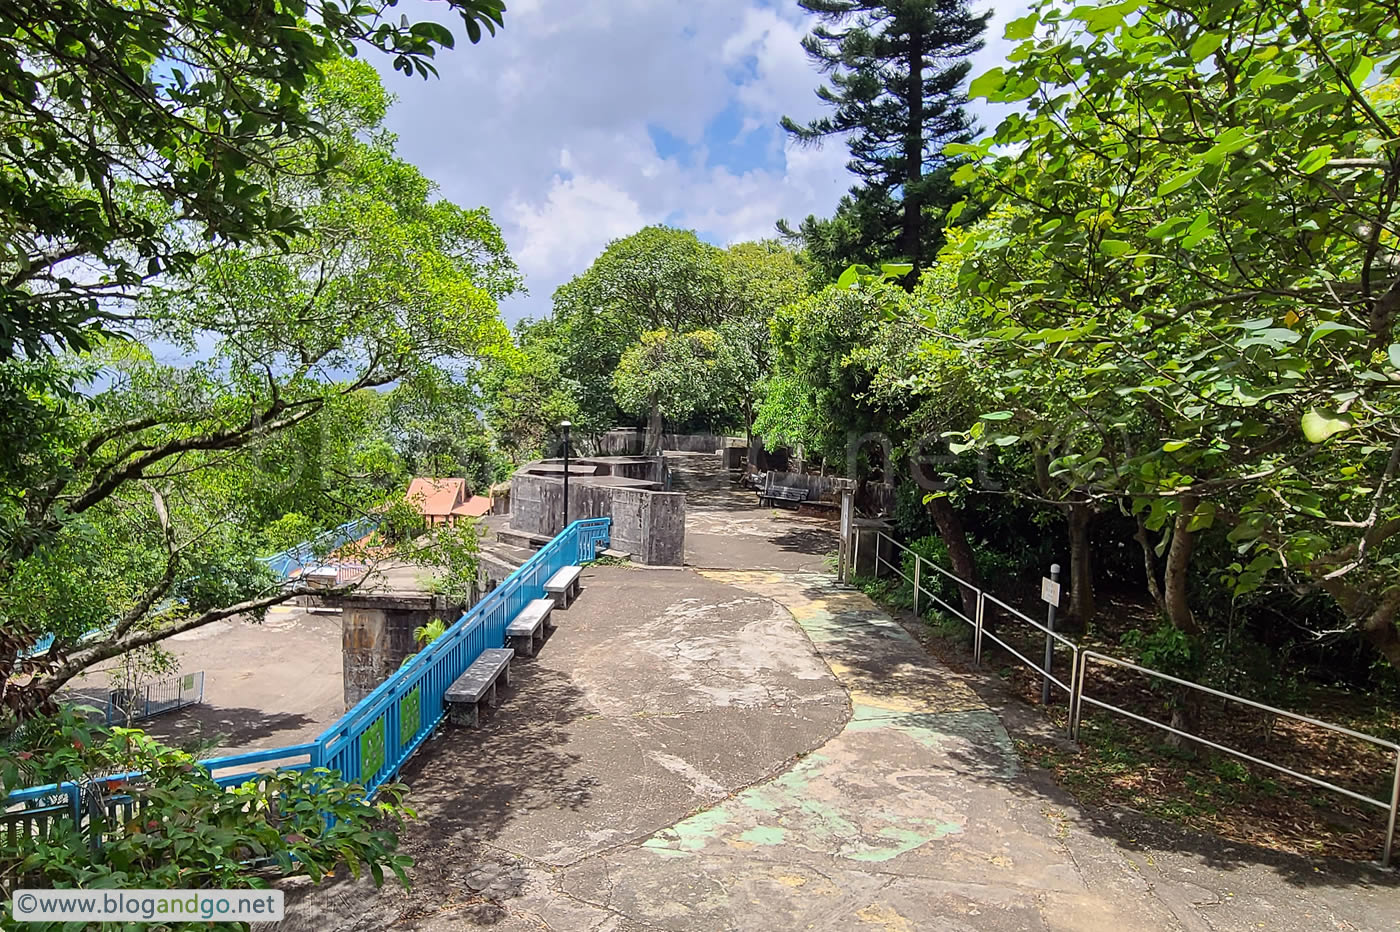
(765, 835)
(690, 834)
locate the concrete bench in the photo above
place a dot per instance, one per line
(528, 627)
(465, 695)
(563, 586)
(783, 493)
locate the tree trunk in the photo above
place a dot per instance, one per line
(652, 446)
(1175, 598)
(1082, 607)
(914, 153)
(950, 528)
(1149, 564)
(1186, 705)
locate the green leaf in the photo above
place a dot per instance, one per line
(985, 85)
(1361, 70)
(1394, 354)
(1171, 446)
(849, 277)
(1203, 517)
(1115, 247)
(1205, 45)
(1315, 159)
(896, 269)
(1022, 28)
(1331, 326)
(997, 416)
(1177, 182)
(1318, 426)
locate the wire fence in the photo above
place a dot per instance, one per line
(1005, 626)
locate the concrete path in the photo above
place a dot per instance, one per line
(727, 749)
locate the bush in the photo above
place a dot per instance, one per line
(990, 565)
(181, 829)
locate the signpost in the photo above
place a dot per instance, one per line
(1050, 593)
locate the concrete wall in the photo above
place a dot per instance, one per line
(626, 440)
(376, 634)
(648, 523)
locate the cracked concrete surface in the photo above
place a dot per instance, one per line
(738, 749)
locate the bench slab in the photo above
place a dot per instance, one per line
(527, 627)
(563, 586)
(478, 683)
(477, 680)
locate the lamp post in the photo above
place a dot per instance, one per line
(566, 425)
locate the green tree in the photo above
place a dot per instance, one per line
(526, 394)
(896, 68)
(668, 375)
(1201, 255)
(138, 136)
(146, 481)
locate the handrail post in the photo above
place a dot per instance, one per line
(855, 560)
(1394, 810)
(918, 561)
(977, 632)
(1074, 662)
(1077, 704)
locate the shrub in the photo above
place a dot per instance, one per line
(182, 830)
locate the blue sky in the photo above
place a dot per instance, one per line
(584, 120)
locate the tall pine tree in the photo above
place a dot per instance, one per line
(896, 68)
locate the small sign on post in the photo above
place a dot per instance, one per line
(1049, 592)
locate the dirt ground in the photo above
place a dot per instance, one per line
(265, 685)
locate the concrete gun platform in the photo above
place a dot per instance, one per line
(729, 749)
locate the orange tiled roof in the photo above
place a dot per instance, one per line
(437, 497)
(474, 507)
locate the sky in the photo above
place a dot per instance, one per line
(584, 120)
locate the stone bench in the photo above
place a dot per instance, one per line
(464, 697)
(563, 586)
(783, 493)
(528, 627)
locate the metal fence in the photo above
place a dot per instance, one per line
(1081, 659)
(287, 562)
(142, 702)
(373, 740)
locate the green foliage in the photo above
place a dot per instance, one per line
(452, 551)
(672, 373)
(1189, 316)
(149, 494)
(187, 832)
(1166, 649)
(423, 635)
(129, 127)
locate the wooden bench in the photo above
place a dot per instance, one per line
(782, 493)
(465, 695)
(563, 586)
(528, 627)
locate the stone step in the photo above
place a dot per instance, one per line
(523, 539)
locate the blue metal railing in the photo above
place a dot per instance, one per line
(310, 552)
(373, 740)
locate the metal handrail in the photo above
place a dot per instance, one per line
(1080, 657)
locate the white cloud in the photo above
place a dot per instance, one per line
(547, 124)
